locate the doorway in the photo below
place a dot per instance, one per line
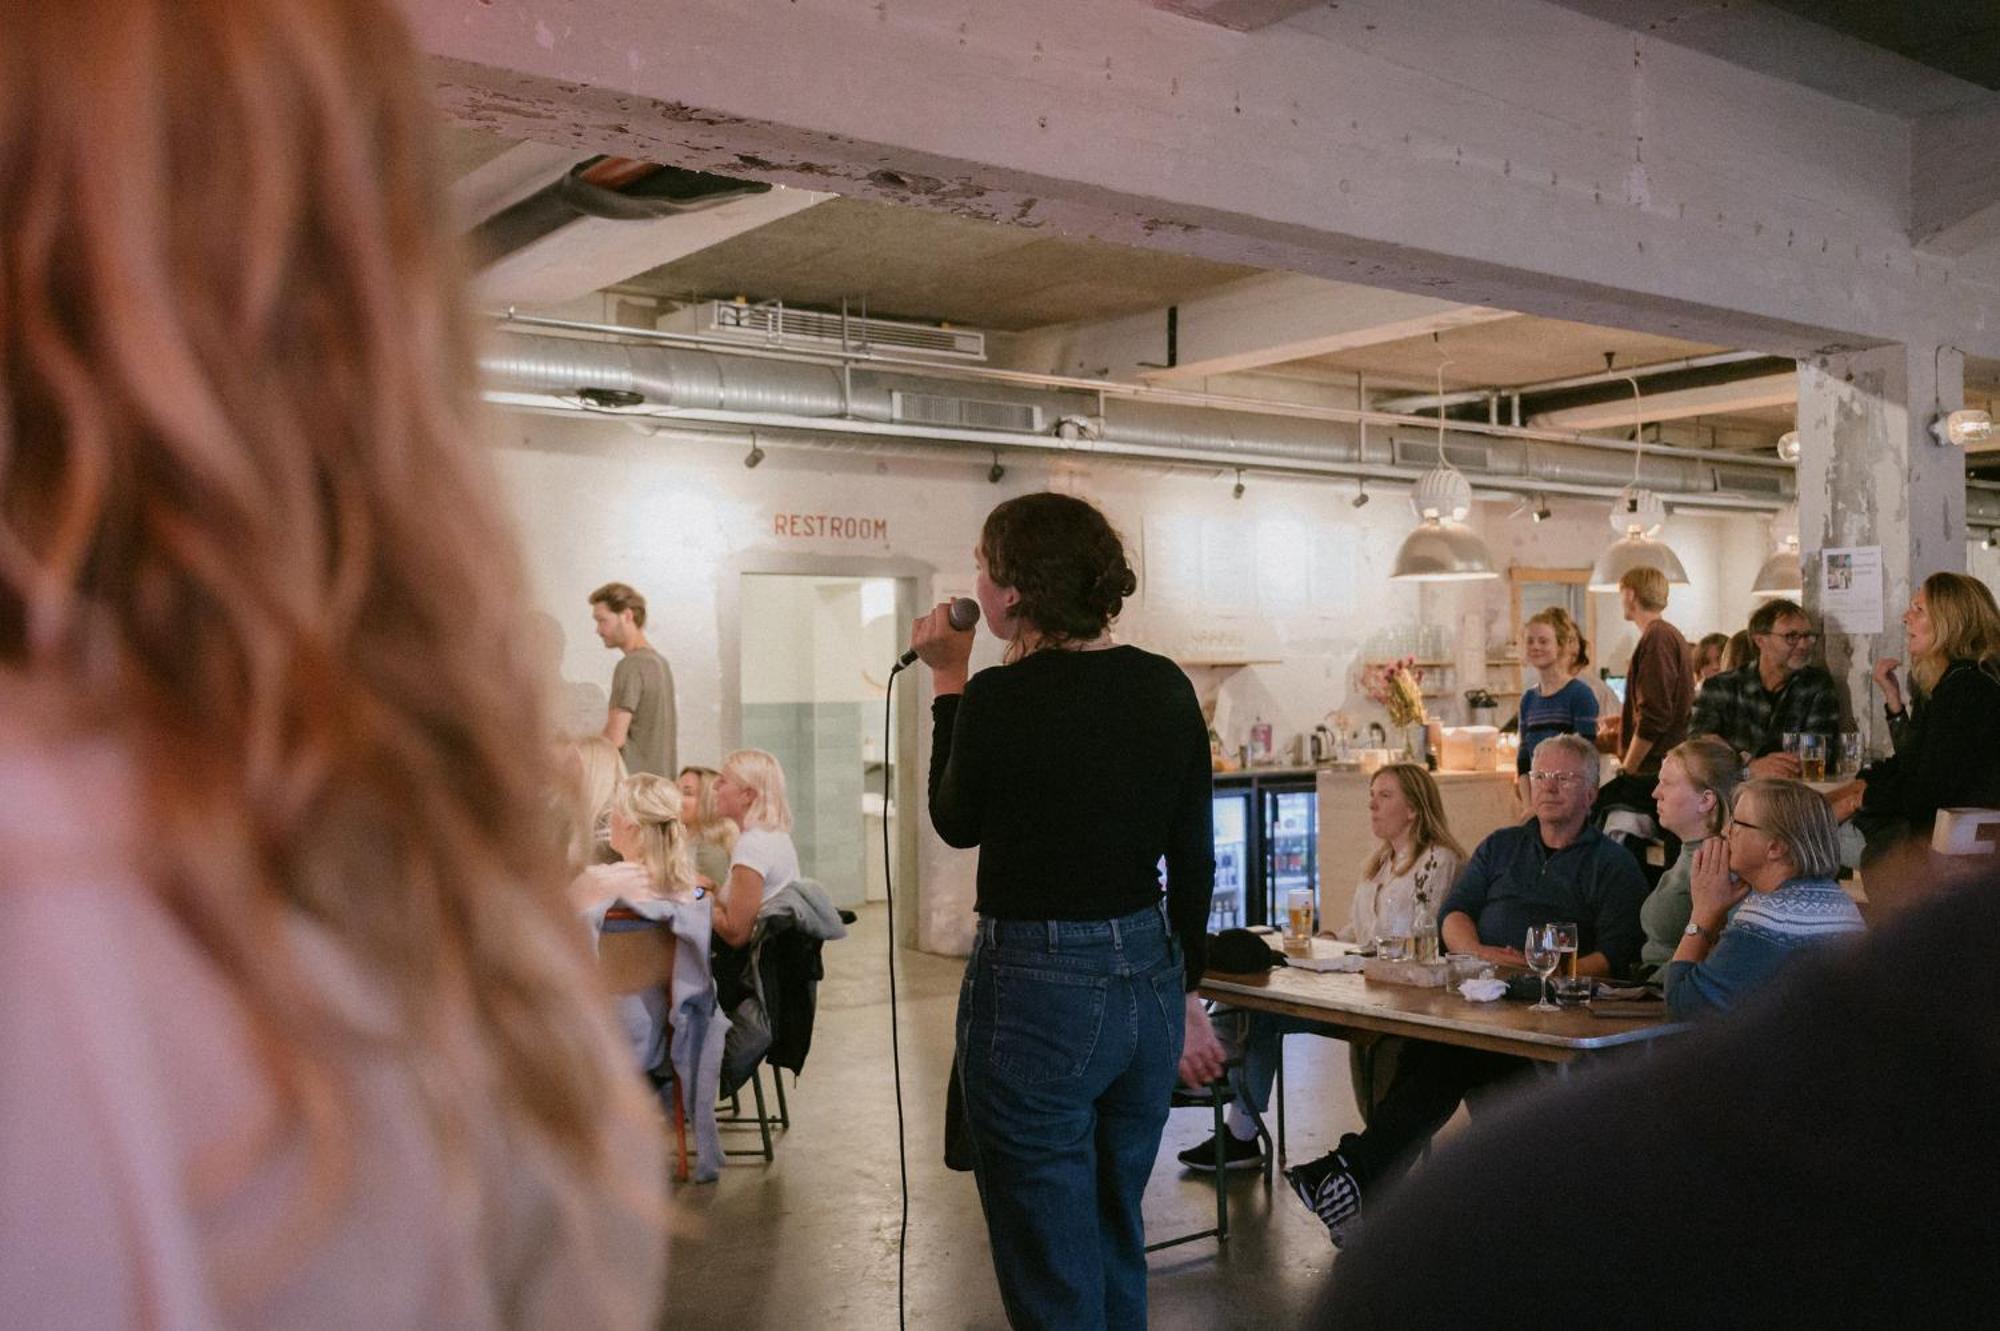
(816, 650)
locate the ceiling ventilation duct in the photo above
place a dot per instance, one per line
(770, 393)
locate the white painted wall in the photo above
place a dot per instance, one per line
(1295, 573)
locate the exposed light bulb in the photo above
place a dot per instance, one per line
(1963, 428)
(1789, 447)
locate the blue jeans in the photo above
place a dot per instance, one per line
(1069, 1036)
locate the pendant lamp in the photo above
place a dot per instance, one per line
(1441, 548)
(1780, 575)
(1637, 516)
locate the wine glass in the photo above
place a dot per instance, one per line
(1542, 958)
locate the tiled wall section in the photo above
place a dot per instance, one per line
(819, 745)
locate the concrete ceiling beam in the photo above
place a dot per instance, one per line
(1955, 181)
(1270, 319)
(1236, 15)
(1509, 154)
(591, 253)
(1776, 390)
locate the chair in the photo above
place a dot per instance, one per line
(1216, 1097)
(633, 956)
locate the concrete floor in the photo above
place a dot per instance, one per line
(810, 1240)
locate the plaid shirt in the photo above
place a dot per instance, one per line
(1735, 707)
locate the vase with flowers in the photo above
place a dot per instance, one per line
(1397, 687)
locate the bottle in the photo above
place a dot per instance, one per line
(1260, 740)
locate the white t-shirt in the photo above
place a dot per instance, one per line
(1392, 904)
(768, 851)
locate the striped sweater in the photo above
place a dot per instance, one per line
(1768, 930)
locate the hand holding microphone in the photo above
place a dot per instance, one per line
(942, 640)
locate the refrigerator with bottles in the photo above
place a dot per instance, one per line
(1266, 844)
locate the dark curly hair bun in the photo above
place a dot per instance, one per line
(1064, 559)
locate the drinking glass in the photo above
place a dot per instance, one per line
(1299, 912)
(1393, 947)
(1542, 958)
(1850, 755)
(1792, 742)
(1812, 757)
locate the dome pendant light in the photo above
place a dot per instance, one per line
(1781, 575)
(1637, 516)
(1442, 548)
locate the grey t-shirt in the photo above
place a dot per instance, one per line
(644, 686)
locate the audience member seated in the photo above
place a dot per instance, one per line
(1659, 691)
(1777, 858)
(714, 836)
(654, 860)
(1413, 867)
(1781, 692)
(1823, 1158)
(1555, 866)
(1709, 657)
(1740, 652)
(1558, 703)
(1948, 750)
(592, 769)
(1697, 781)
(750, 791)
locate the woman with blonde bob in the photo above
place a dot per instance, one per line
(714, 835)
(595, 768)
(1948, 744)
(297, 1028)
(750, 791)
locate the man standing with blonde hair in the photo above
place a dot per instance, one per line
(640, 718)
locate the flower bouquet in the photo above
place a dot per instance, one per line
(1397, 687)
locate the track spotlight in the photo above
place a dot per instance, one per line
(1237, 493)
(1360, 499)
(1542, 510)
(996, 471)
(1992, 540)
(756, 454)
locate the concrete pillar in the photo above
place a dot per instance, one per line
(1870, 473)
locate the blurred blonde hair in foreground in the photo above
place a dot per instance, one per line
(244, 528)
(593, 768)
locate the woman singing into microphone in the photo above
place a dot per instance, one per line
(1074, 766)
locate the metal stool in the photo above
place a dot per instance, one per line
(1216, 1096)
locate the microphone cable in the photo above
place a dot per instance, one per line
(895, 1038)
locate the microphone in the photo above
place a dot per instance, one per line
(964, 613)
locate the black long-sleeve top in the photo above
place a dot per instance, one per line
(1948, 754)
(1075, 773)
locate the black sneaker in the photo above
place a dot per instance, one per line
(1330, 1191)
(1236, 1154)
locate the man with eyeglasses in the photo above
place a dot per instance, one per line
(1555, 866)
(1753, 708)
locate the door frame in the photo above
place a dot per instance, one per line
(914, 590)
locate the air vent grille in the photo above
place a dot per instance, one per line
(1749, 480)
(966, 413)
(780, 325)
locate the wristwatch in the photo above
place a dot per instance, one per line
(1694, 930)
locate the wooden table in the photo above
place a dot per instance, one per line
(1352, 1003)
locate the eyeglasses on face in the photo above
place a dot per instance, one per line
(1556, 778)
(1735, 822)
(1795, 638)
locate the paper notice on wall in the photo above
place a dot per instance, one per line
(1850, 588)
